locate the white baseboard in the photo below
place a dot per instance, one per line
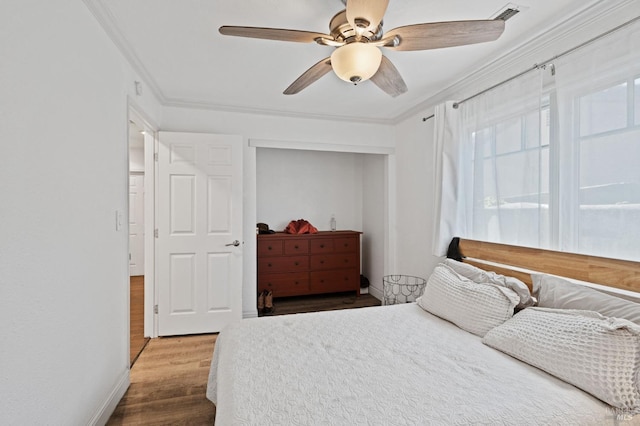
(102, 415)
(375, 292)
(253, 313)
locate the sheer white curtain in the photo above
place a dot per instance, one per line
(507, 197)
(490, 159)
(598, 96)
(550, 161)
(448, 216)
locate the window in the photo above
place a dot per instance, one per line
(603, 111)
(549, 159)
(609, 174)
(511, 196)
(591, 191)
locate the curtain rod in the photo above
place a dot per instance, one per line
(543, 63)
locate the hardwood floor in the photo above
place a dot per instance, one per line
(323, 302)
(168, 384)
(136, 317)
(169, 378)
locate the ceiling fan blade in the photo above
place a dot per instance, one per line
(436, 35)
(273, 34)
(389, 79)
(309, 76)
(366, 14)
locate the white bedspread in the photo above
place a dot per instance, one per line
(389, 365)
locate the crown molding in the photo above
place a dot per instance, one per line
(108, 23)
(184, 103)
(596, 18)
(320, 146)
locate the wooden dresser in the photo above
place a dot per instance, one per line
(295, 265)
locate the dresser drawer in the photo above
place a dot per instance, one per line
(334, 281)
(346, 244)
(296, 247)
(283, 264)
(286, 263)
(322, 245)
(269, 248)
(334, 261)
(283, 285)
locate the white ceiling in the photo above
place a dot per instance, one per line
(177, 48)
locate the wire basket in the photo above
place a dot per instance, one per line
(401, 289)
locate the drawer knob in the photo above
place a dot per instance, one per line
(322, 281)
(321, 245)
(296, 263)
(269, 265)
(296, 283)
(269, 284)
(322, 262)
(346, 261)
(269, 248)
(295, 247)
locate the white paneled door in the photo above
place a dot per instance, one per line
(136, 224)
(199, 244)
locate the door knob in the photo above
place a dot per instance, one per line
(236, 243)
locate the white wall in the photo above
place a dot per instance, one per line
(63, 175)
(271, 128)
(136, 160)
(374, 194)
(277, 128)
(414, 193)
(311, 185)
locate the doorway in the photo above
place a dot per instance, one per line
(137, 336)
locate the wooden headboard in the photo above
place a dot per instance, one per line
(622, 274)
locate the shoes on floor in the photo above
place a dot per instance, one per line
(268, 302)
(261, 302)
(265, 302)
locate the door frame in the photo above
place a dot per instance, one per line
(150, 149)
(389, 246)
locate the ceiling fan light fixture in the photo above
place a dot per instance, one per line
(356, 33)
(356, 62)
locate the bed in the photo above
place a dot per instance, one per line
(399, 365)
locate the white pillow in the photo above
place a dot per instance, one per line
(473, 307)
(555, 292)
(597, 354)
(480, 276)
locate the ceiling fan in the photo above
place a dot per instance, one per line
(357, 34)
